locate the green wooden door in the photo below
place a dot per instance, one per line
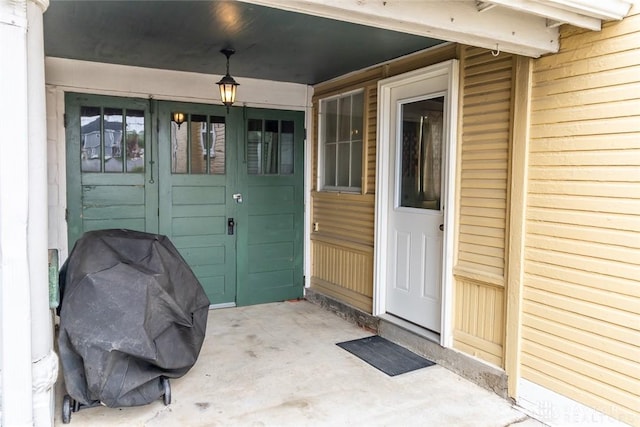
(110, 173)
(270, 217)
(130, 166)
(197, 178)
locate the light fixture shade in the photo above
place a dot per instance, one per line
(227, 84)
(228, 90)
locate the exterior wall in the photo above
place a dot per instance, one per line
(483, 198)
(62, 75)
(581, 299)
(342, 248)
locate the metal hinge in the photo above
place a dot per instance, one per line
(66, 215)
(64, 119)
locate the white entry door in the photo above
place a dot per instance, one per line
(415, 207)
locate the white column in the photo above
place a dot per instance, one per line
(45, 361)
(15, 308)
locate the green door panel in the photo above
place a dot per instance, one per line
(109, 174)
(195, 203)
(271, 219)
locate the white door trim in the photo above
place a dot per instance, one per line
(449, 68)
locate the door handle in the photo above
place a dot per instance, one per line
(230, 226)
(441, 227)
(237, 197)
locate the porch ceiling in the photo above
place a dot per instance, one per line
(270, 44)
(304, 41)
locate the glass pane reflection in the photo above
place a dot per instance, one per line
(286, 147)
(134, 154)
(90, 139)
(421, 156)
(179, 141)
(217, 146)
(198, 129)
(112, 139)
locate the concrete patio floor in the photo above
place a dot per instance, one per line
(278, 365)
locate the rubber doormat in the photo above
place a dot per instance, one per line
(384, 355)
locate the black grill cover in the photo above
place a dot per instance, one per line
(132, 311)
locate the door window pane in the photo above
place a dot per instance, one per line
(286, 148)
(90, 139)
(254, 146)
(217, 146)
(421, 155)
(179, 146)
(198, 130)
(112, 140)
(198, 145)
(134, 153)
(270, 147)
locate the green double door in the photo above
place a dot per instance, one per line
(225, 187)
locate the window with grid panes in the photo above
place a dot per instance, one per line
(341, 133)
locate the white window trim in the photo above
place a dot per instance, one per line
(320, 152)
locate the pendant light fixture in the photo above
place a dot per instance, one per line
(227, 84)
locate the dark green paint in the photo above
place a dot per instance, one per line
(261, 262)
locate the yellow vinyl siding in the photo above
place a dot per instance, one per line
(371, 127)
(581, 307)
(482, 214)
(479, 320)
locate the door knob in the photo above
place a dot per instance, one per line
(441, 227)
(237, 197)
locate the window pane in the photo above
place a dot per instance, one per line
(330, 120)
(90, 148)
(271, 146)
(198, 130)
(134, 154)
(344, 119)
(286, 147)
(343, 164)
(179, 140)
(357, 116)
(254, 146)
(421, 153)
(217, 148)
(356, 164)
(112, 139)
(330, 165)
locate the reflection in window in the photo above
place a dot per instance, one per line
(421, 156)
(270, 147)
(198, 145)
(111, 140)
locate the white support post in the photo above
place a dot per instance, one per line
(44, 360)
(15, 300)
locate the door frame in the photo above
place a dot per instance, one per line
(385, 180)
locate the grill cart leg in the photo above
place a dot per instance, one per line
(167, 390)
